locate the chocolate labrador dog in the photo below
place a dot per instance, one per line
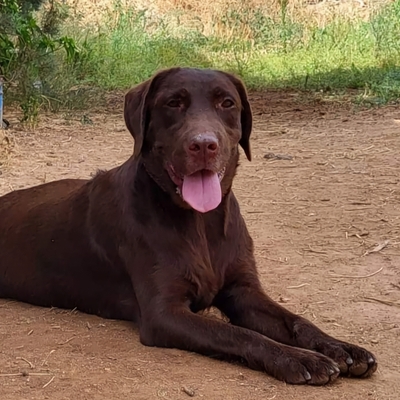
(161, 237)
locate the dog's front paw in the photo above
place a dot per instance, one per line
(353, 360)
(299, 366)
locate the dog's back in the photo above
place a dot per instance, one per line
(27, 234)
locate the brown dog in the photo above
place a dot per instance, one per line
(161, 237)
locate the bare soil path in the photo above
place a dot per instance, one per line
(323, 190)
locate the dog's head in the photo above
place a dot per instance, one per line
(187, 124)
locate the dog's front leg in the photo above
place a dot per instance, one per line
(244, 302)
(177, 327)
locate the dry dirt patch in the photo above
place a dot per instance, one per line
(326, 193)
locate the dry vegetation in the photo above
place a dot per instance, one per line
(209, 13)
(325, 46)
(209, 17)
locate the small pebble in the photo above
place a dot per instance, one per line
(190, 392)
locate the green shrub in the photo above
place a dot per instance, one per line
(29, 54)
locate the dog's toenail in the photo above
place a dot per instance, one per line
(307, 376)
(349, 361)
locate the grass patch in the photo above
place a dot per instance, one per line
(282, 47)
(129, 46)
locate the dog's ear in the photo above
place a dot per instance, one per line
(136, 108)
(133, 106)
(246, 118)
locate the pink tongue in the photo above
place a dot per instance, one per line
(202, 191)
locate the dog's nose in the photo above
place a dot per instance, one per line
(203, 146)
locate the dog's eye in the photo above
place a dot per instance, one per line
(174, 103)
(227, 103)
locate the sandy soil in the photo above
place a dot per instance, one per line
(315, 212)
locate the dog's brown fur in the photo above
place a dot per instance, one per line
(125, 244)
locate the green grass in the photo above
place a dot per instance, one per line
(128, 47)
(283, 54)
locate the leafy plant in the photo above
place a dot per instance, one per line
(28, 53)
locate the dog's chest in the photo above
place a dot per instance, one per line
(218, 252)
(206, 280)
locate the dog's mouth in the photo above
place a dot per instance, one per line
(201, 189)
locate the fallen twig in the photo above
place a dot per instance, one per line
(386, 302)
(298, 286)
(67, 341)
(315, 251)
(334, 276)
(25, 374)
(48, 383)
(27, 361)
(47, 357)
(377, 248)
(395, 286)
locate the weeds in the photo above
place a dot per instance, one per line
(268, 48)
(265, 51)
(28, 54)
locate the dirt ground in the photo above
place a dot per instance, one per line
(317, 213)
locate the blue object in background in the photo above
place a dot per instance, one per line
(4, 124)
